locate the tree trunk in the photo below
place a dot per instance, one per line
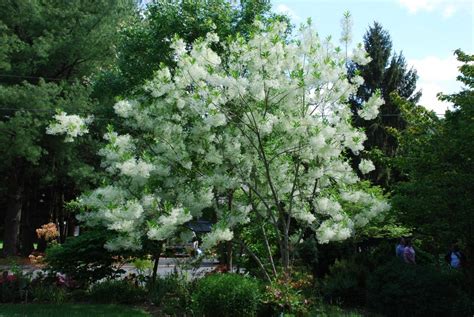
(156, 259)
(285, 252)
(229, 254)
(61, 223)
(27, 231)
(284, 243)
(229, 265)
(13, 216)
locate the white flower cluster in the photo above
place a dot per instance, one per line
(215, 236)
(113, 208)
(370, 108)
(356, 197)
(304, 216)
(124, 108)
(366, 166)
(168, 224)
(333, 231)
(346, 26)
(378, 207)
(135, 168)
(70, 125)
(328, 206)
(360, 56)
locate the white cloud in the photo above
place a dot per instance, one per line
(436, 75)
(446, 7)
(449, 11)
(433, 68)
(284, 9)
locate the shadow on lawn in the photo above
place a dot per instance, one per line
(79, 310)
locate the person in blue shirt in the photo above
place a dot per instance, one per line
(400, 248)
(455, 258)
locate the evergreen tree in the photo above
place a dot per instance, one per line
(389, 74)
(48, 52)
(437, 200)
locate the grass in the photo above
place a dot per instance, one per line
(61, 310)
(325, 310)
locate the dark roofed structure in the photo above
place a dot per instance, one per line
(199, 226)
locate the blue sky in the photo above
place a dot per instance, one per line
(427, 31)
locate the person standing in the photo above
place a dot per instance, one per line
(455, 258)
(409, 253)
(400, 248)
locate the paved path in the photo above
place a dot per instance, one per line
(165, 266)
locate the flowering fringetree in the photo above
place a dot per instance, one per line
(264, 131)
(71, 126)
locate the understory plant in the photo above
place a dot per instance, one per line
(289, 293)
(172, 293)
(84, 259)
(227, 295)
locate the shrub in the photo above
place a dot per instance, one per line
(346, 282)
(49, 294)
(117, 291)
(83, 259)
(226, 295)
(289, 294)
(172, 294)
(397, 289)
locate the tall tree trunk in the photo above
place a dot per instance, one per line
(62, 224)
(285, 252)
(13, 214)
(284, 242)
(229, 264)
(26, 230)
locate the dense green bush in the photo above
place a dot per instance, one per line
(226, 295)
(346, 282)
(172, 294)
(398, 289)
(83, 259)
(117, 292)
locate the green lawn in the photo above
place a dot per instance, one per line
(61, 310)
(325, 310)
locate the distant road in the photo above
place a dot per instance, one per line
(165, 266)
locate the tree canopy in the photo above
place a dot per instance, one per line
(47, 51)
(262, 135)
(386, 72)
(436, 200)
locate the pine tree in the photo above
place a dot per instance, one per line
(48, 52)
(389, 74)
